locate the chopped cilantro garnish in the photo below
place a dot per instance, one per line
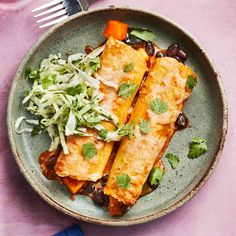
(127, 90)
(128, 67)
(191, 82)
(117, 125)
(94, 64)
(89, 150)
(142, 33)
(173, 160)
(32, 74)
(48, 80)
(158, 106)
(27, 72)
(103, 133)
(123, 181)
(127, 130)
(76, 89)
(156, 176)
(198, 147)
(144, 126)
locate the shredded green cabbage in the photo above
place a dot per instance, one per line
(65, 99)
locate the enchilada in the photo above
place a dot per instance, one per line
(160, 101)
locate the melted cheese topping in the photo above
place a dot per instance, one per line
(113, 60)
(136, 156)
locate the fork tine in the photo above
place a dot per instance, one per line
(54, 21)
(49, 4)
(56, 8)
(59, 13)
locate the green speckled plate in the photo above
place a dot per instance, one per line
(206, 109)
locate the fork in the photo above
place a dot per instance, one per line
(58, 10)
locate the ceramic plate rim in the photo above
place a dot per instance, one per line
(118, 222)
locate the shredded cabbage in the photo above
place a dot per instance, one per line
(65, 98)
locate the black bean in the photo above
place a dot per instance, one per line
(182, 54)
(160, 54)
(51, 162)
(172, 50)
(90, 187)
(177, 58)
(104, 180)
(105, 198)
(88, 49)
(149, 48)
(98, 197)
(182, 121)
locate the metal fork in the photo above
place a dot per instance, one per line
(58, 10)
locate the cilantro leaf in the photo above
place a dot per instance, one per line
(173, 160)
(156, 176)
(117, 125)
(142, 33)
(91, 119)
(48, 80)
(158, 106)
(127, 90)
(123, 181)
(198, 147)
(103, 133)
(191, 82)
(94, 64)
(144, 126)
(32, 74)
(89, 150)
(128, 67)
(27, 72)
(127, 130)
(76, 89)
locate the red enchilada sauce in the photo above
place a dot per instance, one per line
(47, 161)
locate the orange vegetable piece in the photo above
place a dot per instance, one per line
(73, 185)
(116, 29)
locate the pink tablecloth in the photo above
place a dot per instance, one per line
(212, 212)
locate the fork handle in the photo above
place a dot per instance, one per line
(84, 4)
(75, 6)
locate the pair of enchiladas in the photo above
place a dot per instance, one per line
(111, 114)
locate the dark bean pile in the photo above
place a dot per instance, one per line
(95, 191)
(174, 51)
(90, 187)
